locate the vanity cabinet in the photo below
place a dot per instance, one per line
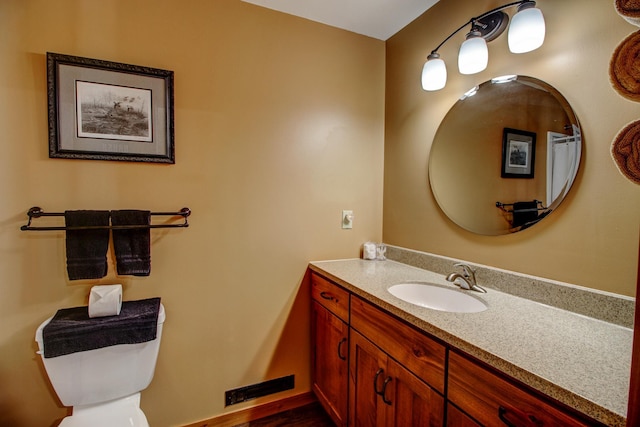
(371, 368)
(492, 399)
(330, 346)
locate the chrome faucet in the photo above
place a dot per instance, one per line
(467, 278)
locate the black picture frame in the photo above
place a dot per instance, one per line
(518, 153)
(103, 110)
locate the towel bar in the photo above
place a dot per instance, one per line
(503, 207)
(37, 212)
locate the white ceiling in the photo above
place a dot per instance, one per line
(379, 19)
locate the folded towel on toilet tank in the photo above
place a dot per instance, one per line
(71, 330)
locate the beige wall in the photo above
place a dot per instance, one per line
(592, 239)
(279, 126)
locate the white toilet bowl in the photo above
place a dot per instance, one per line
(103, 385)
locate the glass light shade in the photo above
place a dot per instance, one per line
(434, 74)
(473, 56)
(526, 32)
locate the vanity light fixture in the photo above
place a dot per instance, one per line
(526, 33)
(474, 55)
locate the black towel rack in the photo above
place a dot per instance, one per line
(37, 212)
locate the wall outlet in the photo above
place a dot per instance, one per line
(347, 219)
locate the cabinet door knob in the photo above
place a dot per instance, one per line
(375, 382)
(531, 419)
(384, 391)
(502, 412)
(340, 356)
(326, 295)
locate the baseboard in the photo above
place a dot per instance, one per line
(256, 412)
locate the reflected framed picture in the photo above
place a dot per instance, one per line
(518, 153)
(102, 110)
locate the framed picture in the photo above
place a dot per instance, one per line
(518, 153)
(103, 110)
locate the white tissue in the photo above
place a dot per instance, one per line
(369, 250)
(105, 300)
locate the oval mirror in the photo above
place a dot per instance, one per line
(505, 155)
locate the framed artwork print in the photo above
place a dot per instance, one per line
(102, 110)
(518, 153)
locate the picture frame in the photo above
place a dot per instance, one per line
(518, 153)
(103, 110)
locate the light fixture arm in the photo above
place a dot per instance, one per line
(473, 21)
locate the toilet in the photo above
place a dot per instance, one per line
(103, 385)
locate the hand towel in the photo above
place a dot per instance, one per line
(524, 212)
(132, 246)
(87, 249)
(72, 330)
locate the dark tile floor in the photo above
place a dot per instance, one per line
(311, 415)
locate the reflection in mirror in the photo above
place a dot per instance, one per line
(505, 155)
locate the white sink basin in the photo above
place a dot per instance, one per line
(437, 297)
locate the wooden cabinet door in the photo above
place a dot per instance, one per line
(366, 376)
(410, 402)
(385, 394)
(330, 366)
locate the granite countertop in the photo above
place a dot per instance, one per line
(580, 361)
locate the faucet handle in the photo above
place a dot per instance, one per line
(468, 271)
(470, 276)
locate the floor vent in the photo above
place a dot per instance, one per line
(254, 391)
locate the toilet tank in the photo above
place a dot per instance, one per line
(94, 376)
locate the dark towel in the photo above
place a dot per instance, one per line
(132, 246)
(72, 330)
(524, 212)
(87, 249)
